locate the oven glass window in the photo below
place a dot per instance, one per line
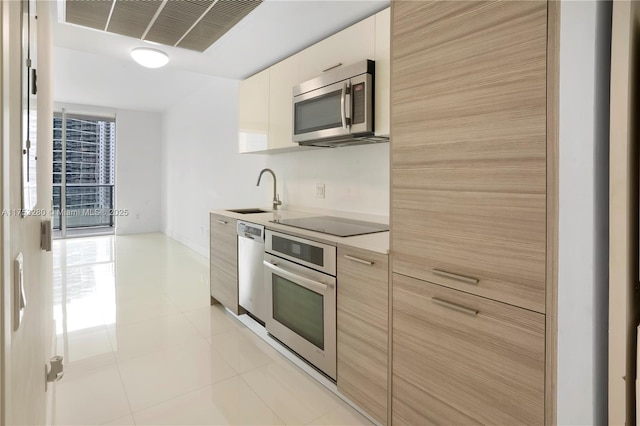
(319, 113)
(302, 251)
(299, 309)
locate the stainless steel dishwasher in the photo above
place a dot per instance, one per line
(251, 287)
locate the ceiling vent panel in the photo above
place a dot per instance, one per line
(131, 18)
(220, 19)
(176, 18)
(189, 24)
(92, 14)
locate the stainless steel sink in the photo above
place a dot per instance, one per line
(248, 211)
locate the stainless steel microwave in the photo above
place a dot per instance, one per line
(336, 108)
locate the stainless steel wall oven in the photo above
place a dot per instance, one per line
(300, 278)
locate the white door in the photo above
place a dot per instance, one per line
(25, 351)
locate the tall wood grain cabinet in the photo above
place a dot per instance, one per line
(223, 259)
(469, 211)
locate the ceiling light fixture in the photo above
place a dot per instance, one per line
(150, 58)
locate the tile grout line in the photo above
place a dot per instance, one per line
(211, 385)
(164, 401)
(284, 385)
(197, 388)
(261, 399)
(196, 338)
(287, 364)
(126, 394)
(309, 371)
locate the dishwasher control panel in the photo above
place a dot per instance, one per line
(250, 230)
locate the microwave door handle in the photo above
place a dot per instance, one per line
(307, 283)
(345, 110)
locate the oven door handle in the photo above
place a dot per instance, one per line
(307, 283)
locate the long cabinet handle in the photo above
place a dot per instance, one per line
(454, 306)
(355, 259)
(468, 280)
(222, 222)
(335, 66)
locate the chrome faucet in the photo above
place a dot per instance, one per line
(276, 198)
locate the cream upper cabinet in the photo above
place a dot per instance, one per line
(265, 99)
(284, 75)
(349, 46)
(253, 112)
(383, 71)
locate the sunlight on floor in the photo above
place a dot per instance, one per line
(143, 346)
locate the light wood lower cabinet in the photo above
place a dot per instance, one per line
(464, 359)
(223, 257)
(362, 323)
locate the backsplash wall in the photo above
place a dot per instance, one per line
(356, 178)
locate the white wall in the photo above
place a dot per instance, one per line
(202, 170)
(356, 179)
(583, 231)
(138, 171)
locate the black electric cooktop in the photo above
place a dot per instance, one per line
(334, 225)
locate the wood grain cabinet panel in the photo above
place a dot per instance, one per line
(224, 289)
(223, 258)
(463, 359)
(493, 237)
(224, 244)
(362, 323)
(469, 211)
(469, 146)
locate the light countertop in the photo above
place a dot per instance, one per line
(378, 242)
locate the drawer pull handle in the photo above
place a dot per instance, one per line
(355, 259)
(457, 277)
(455, 307)
(223, 222)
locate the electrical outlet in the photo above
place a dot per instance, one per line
(319, 190)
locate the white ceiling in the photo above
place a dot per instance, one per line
(273, 31)
(98, 80)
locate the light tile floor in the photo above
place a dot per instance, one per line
(142, 346)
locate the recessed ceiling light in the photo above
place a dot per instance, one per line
(150, 58)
